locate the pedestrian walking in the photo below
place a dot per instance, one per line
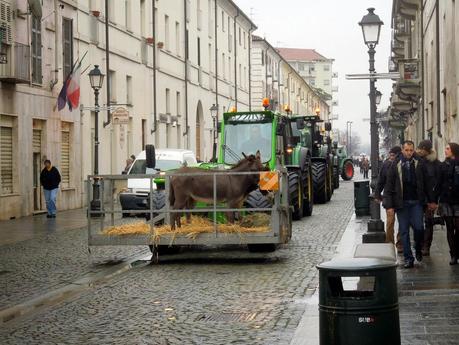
(390, 216)
(50, 180)
(449, 198)
(431, 167)
(404, 194)
(365, 167)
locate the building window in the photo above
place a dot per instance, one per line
(326, 82)
(326, 68)
(245, 40)
(36, 51)
(129, 90)
(178, 104)
(240, 37)
(199, 51)
(262, 58)
(313, 82)
(7, 162)
(144, 133)
(127, 18)
(67, 46)
(223, 21)
(223, 66)
(166, 32)
(65, 154)
(168, 101)
(142, 18)
(177, 38)
(245, 77)
(240, 75)
(112, 86)
(211, 68)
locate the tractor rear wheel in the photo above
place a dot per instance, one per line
(159, 202)
(319, 179)
(308, 194)
(295, 191)
(348, 171)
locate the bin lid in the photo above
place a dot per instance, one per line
(356, 264)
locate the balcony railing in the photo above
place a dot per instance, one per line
(17, 68)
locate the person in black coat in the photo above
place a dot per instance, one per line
(431, 167)
(390, 216)
(404, 193)
(50, 180)
(449, 198)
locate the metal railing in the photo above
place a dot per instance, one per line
(113, 211)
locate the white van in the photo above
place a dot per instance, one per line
(136, 197)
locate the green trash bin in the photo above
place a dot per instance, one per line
(362, 198)
(358, 302)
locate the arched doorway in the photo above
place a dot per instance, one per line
(199, 131)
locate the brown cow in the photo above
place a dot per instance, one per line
(185, 191)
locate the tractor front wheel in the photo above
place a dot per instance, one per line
(308, 194)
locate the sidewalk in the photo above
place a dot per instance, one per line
(428, 295)
(26, 228)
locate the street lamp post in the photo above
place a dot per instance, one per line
(213, 112)
(349, 141)
(371, 29)
(96, 78)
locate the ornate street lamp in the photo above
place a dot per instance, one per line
(378, 97)
(214, 112)
(371, 29)
(96, 78)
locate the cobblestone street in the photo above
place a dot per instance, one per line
(198, 297)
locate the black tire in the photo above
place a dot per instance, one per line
(262, 248)
(295, 191)
(159, 202)
(319, 179)
(336, 177)
(150, 156)
(165, 250)
(348, 171)
(257, 200)
(308, 192)
(330, 184)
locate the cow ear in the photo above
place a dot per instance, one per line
(245, 156)
(258, 155)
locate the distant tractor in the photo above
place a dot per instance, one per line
(323, 163)
(346, 166)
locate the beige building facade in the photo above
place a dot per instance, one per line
(167, 69)
(425, 50)
(274, 78)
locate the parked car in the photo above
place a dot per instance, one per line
(136, 197)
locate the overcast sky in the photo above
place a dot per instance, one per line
(331, 27)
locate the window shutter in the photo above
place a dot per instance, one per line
(6, 160)
(65, 159)
(36, 141)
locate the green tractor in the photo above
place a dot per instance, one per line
(324, 165)
(346, 166)
(270, 133)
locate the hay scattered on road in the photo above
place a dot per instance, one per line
(254, 223)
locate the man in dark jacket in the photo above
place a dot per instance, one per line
(50, 179)
(390, 216)
(432, 174)
(404, 193)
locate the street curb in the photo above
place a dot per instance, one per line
(72, 289)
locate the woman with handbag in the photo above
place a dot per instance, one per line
(449, 198)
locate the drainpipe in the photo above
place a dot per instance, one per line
(56, 44)
(154, 67)
(235, 59)
(437, 53)
(216, 59)
(186, 73)
(107, 64)
(423, 120)
(250, 65)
